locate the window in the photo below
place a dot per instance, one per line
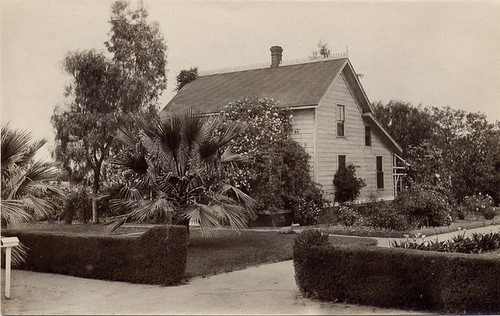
(340, 120)
(368, 136)
(380, 173)
(341, 162)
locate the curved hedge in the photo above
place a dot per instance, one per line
(156, 257)
(389, 277)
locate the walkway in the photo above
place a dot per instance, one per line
(267, 289)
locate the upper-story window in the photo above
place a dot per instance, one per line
(368, 136)
(340, 120)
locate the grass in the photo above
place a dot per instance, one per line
(227, 251)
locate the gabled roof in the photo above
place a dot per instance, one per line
(294, 86)
(291, 85)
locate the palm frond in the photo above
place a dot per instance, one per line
(230, 156)
(19, 254)
(240, 196)
(205, 216)
(13, 212)
(14, 145)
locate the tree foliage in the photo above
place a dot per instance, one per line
(175, 172)
(104, 92)
(185, 77)
(449, 148)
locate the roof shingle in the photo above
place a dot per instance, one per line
(291, 86)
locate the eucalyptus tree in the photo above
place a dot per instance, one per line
(104, 90)
(175, 171)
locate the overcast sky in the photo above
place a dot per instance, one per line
(429, 53)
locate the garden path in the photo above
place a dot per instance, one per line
(266, 289)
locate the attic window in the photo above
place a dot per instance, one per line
(340, 120)
(368, 136)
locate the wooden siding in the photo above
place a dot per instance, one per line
(303, 124)
(352, 145)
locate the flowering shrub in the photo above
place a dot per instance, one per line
(307, 212)
(349, 216)
(480, 205)
(278, 175)
(347, 185)
(424, 206)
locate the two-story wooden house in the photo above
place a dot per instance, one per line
(332, 116)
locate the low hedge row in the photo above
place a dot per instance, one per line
(389, 277)
(156, 257)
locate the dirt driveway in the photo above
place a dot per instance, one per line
(266, 289)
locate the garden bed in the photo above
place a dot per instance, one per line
(365, 231)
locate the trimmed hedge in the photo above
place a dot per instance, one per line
(389, 277)
(156, 257)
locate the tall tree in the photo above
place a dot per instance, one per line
(104, 91)
(185, 77)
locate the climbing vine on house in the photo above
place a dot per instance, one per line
(278, 173)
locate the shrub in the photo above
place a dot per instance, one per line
(477, 243)
(347, 185)
(278, 177)
(385, 215)
(424, 206)
(349, 216)
(156, 257)
(78, 204)
(480, 205)
(390, 277)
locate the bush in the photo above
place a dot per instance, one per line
(347, 185)
(424, 206)
(156, 257)
(480, 205)
(390, 277)
(477, 243)
(278, 177)
(385, 215)
(349, 216)
(77, 205)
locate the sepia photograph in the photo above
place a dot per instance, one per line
(250, 157)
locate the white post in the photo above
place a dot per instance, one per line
(8, 243)
(8, 259)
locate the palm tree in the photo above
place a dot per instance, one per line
(25, 181)
(174, 170)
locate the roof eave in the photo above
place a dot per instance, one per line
(374, 120)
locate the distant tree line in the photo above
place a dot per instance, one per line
(456, 150)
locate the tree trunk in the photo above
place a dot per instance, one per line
(95, 190)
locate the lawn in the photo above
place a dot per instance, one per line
(227, 251)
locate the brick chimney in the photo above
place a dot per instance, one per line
(276, 52)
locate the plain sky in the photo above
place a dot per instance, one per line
(429, 53)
